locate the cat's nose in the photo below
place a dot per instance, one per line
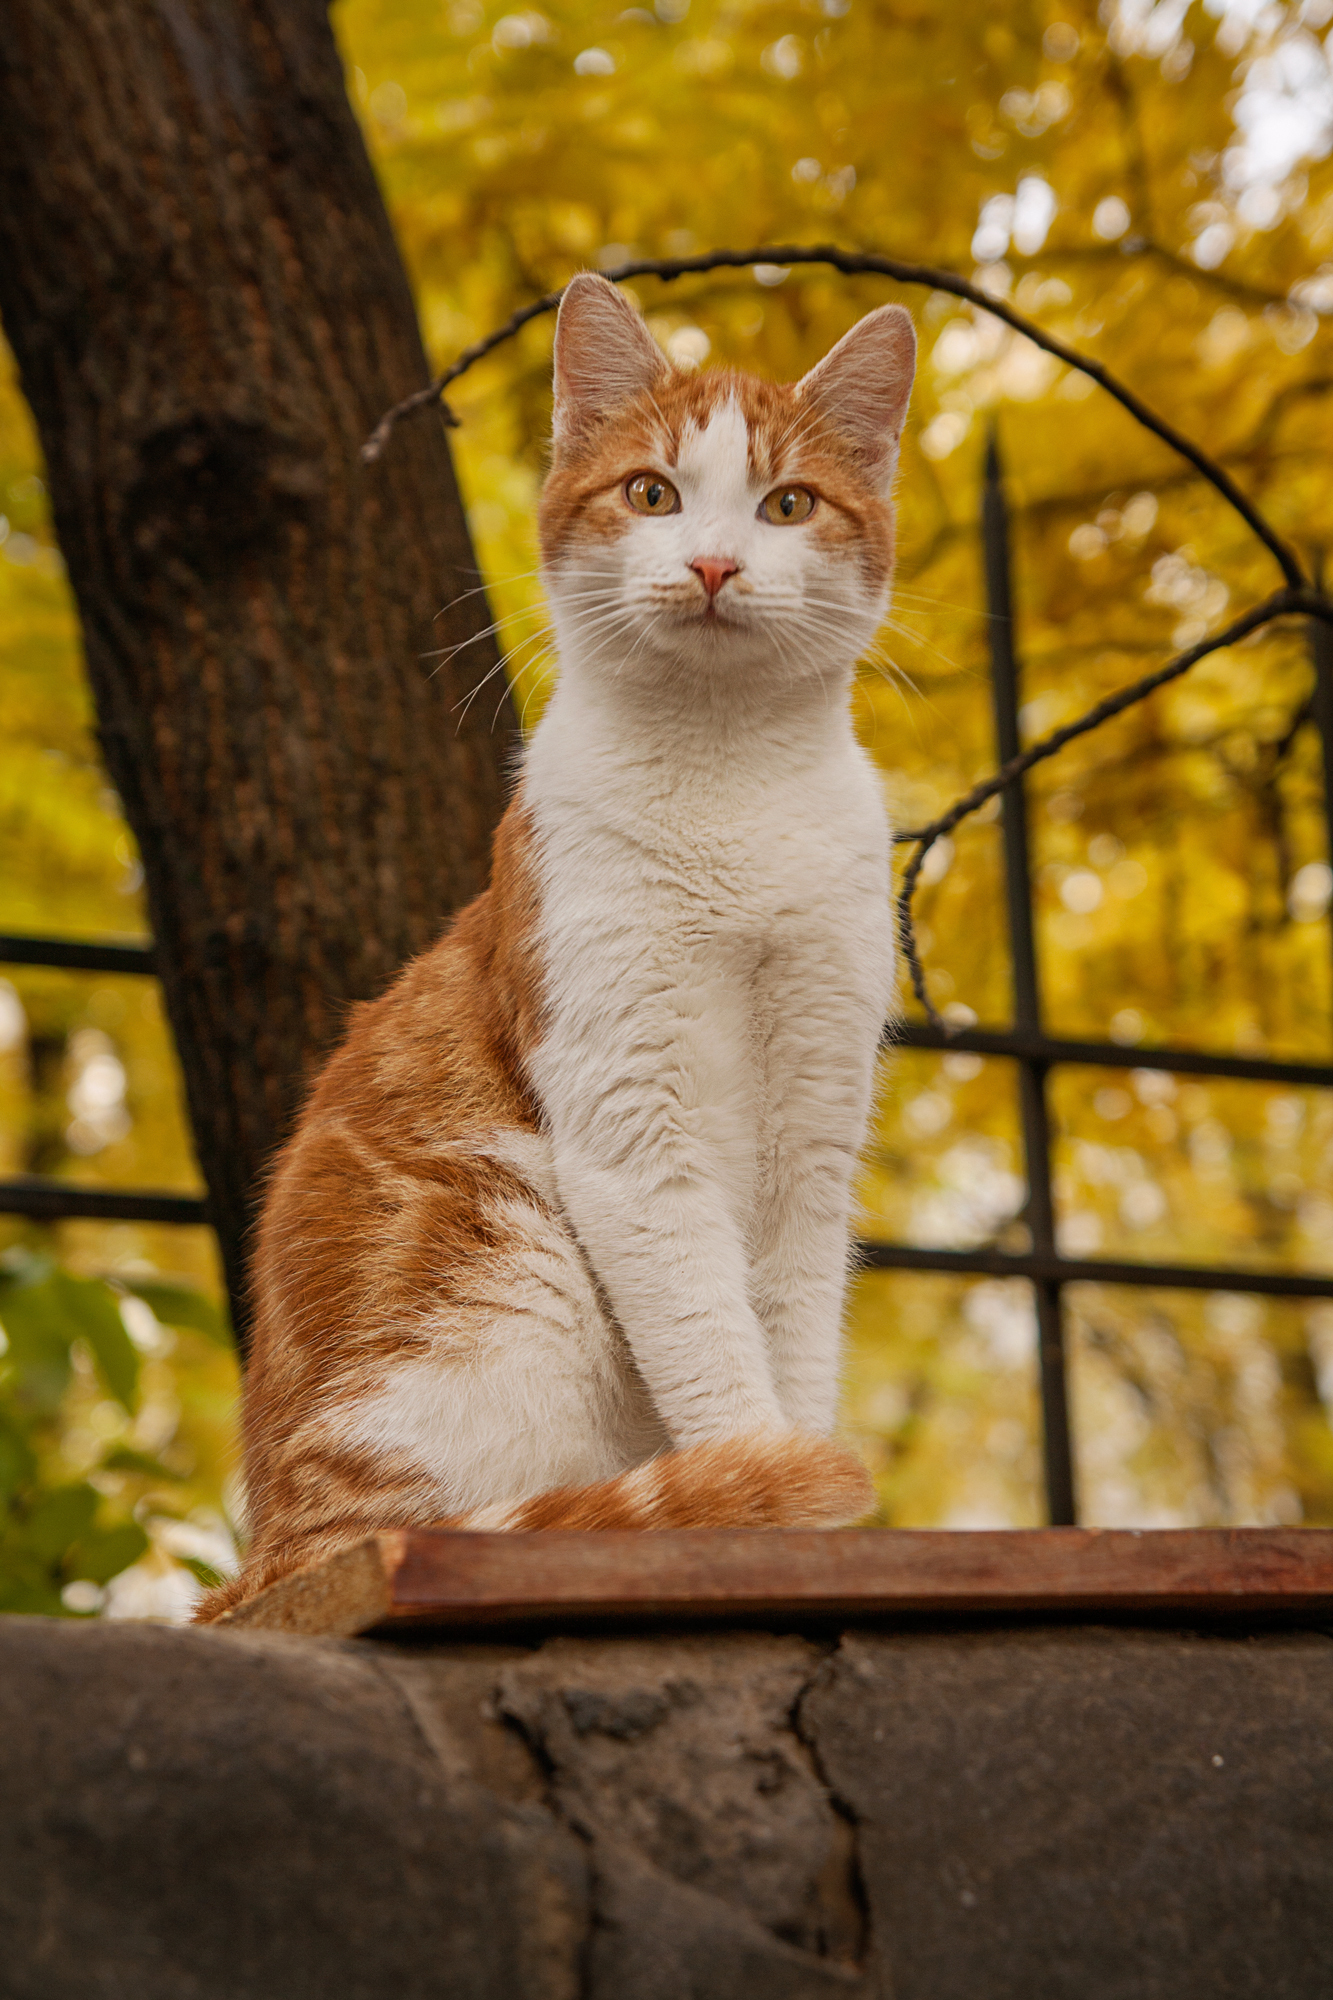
(713, 571)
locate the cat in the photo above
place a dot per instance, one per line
(561, 1239)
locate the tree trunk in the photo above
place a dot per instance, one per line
(199, 280)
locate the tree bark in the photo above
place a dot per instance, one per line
(201, 285)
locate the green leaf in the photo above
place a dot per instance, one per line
(106, 1552)
(19, 1265)
(39, 1341)
(89, 1307)
(211, 1578)
(42, 1319)
(182, 1305)
(59, 1519)
(27, 1587)
(121, 1458)
(17, 1460)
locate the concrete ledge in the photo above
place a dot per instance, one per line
(985, 1814)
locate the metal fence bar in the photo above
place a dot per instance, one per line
(83, 955)
(986, 1262)
(1052, 1049)
(48, 1200)
(43, 1198)
(1321, 707)
(76, 954)
(1039, 1213)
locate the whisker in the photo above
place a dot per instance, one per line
(542, 610)
(917, 639)
(490, 674)
(523, 713)
(491, 583)
(942, 603)
(446, 653)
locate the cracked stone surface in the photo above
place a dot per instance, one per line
(1069, 1812)
(720, 1863)
(1081, 1811)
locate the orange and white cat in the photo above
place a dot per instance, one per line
(562, 1236)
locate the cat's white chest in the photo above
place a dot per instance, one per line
(718, 949)
(644, 856)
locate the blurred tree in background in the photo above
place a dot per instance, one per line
(1154, 183)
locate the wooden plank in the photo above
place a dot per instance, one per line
(562, 1580)
(345, 1594)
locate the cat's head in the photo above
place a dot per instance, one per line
(715, 522)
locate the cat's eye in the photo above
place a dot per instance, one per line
(647, 493)
(786, 505)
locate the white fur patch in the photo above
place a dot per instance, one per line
(718, 943)
(528, 1388)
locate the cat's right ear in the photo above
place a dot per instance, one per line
(604, 354)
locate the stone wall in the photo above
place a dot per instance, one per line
(993, 1814)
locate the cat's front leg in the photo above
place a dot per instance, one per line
(798, 1283)
(649, 1091)
(819, 1077)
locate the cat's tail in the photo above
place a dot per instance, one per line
(775, 1479)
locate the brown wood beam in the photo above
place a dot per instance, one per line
(564, 1580)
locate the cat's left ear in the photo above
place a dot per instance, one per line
(862, 386)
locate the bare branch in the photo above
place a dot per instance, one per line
(851, 263)
(1311, 603)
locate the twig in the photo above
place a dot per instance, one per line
(851, 263)
(1309, 602)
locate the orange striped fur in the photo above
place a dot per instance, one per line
(778, 1480)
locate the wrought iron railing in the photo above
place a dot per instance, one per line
(1037, 1053)
(43, 1197)
(1025, 1043)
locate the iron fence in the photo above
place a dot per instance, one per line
(1024, 1042)
(1036, 1053)
(44, 1198)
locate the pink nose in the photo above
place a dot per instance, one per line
(712, 572)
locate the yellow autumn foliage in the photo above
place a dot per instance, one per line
(1153, 183)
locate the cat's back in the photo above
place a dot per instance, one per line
(435, 1062)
